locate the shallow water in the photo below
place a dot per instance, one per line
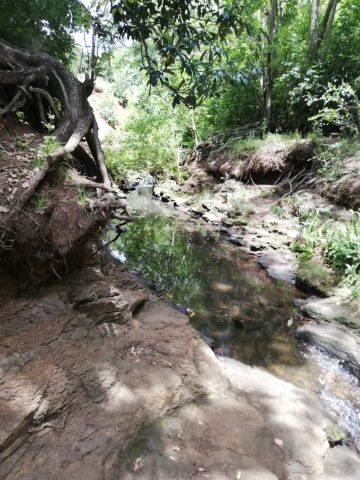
(231, 302)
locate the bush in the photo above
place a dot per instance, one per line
(108, 104)
(155, 138)
(338, 244)
(339, 111)
(342, 247)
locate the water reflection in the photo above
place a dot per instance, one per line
(230, 300)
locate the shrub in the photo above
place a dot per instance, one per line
(338, 244)
(339, 110)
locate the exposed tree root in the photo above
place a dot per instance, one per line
(36, 83)
(37, 79)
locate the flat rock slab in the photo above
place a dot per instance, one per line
(336, 340)
(341, 463)
(332, 309)
(278, 266)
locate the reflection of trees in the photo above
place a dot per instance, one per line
(233, 299)
(158, 248)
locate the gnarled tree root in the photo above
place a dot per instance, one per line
(37, 82)
(38, 79)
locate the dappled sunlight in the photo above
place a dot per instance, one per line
(121, 398)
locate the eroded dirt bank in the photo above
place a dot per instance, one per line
(100, 380)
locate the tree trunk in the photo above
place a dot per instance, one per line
(323, 38)
(315, 6)
(269, 72)
(328, 28)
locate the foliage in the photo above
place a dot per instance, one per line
(108, 105)
(337, 243)
(187, 37)
(41, 25)
(342, 246)
(310, 235)
(339, 109)
(155, 138)
(332, 156)
(123, 72)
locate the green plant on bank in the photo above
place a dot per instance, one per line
(81, 196)
(48, 146)
(340, 109)
(39, 202)
(49, 125)
(21, 117)
(311, 232)
(254, 143)
(342, 251)
(279, 211)
(20, 143)
(339, 245)
(332, 156)
(180, 173)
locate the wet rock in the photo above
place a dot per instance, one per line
(279, 267)
(336, 340)
(211, 217)
(224, 230)
(299, 302)
(164, 197)
(197, 211)
(239, 241)
(332, 309)
(228, 222)
(256, 247)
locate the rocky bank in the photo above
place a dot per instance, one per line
(101, 380)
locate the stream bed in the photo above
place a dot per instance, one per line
(236, 308)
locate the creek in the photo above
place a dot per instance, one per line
(236, 308)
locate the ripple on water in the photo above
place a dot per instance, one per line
(339, 392)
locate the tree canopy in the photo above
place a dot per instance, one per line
(43, 25)
(186, 37)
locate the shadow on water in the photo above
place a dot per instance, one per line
(239, 311)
